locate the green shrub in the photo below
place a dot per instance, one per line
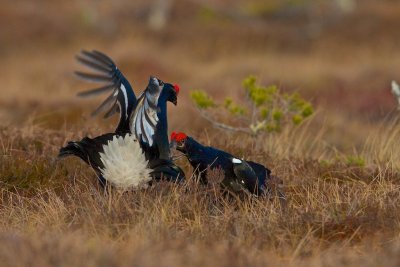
(271, 109)
(202, 99)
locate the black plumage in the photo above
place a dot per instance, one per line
(89, 150)
(122, 98)
(149, 120)
(166, 170)
(239, 174)
(145, 117)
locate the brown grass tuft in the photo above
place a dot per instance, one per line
(51, 207)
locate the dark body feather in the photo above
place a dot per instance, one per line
(89, 149)
(203, 157)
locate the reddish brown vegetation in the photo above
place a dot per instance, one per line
(340, 170)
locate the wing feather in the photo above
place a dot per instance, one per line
(148, 129)
(109, 102)
(98, 66)
(122, 98)
(145, 119)
(145, 135)
(136, 120)
(94, 55)
(114, 109)
(150, 114)
(103, 57)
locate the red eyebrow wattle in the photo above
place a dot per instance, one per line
(178, 136)
(173, 134)
(177, 88)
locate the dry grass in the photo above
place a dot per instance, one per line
(54, 213)
(340, 170)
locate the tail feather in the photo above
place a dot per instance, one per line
(88, 150)
(125, 165)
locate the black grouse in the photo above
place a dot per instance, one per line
(239, 174)
(141, 119)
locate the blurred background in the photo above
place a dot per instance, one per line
(340, 54)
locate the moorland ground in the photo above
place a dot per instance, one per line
(340, 169)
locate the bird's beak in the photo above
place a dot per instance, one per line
(175, 102)
(180, 146)
(173, 144)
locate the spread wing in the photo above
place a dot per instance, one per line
(122, 98)
(145, 119)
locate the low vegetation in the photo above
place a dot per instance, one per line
(267, 110)
(337, 157)
(335, 203)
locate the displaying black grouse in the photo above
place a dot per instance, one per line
(239, 174)
(143, 119)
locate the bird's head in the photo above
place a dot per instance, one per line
(178, 141)
(169, 91)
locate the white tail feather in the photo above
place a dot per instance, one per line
(125, 165)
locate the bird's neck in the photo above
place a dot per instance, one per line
(162, 115)
(163, 144)
(192, 146)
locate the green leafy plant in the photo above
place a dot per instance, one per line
(267, 108)
(201, 99)
(354, 160)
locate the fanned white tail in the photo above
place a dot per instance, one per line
(125, 165)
